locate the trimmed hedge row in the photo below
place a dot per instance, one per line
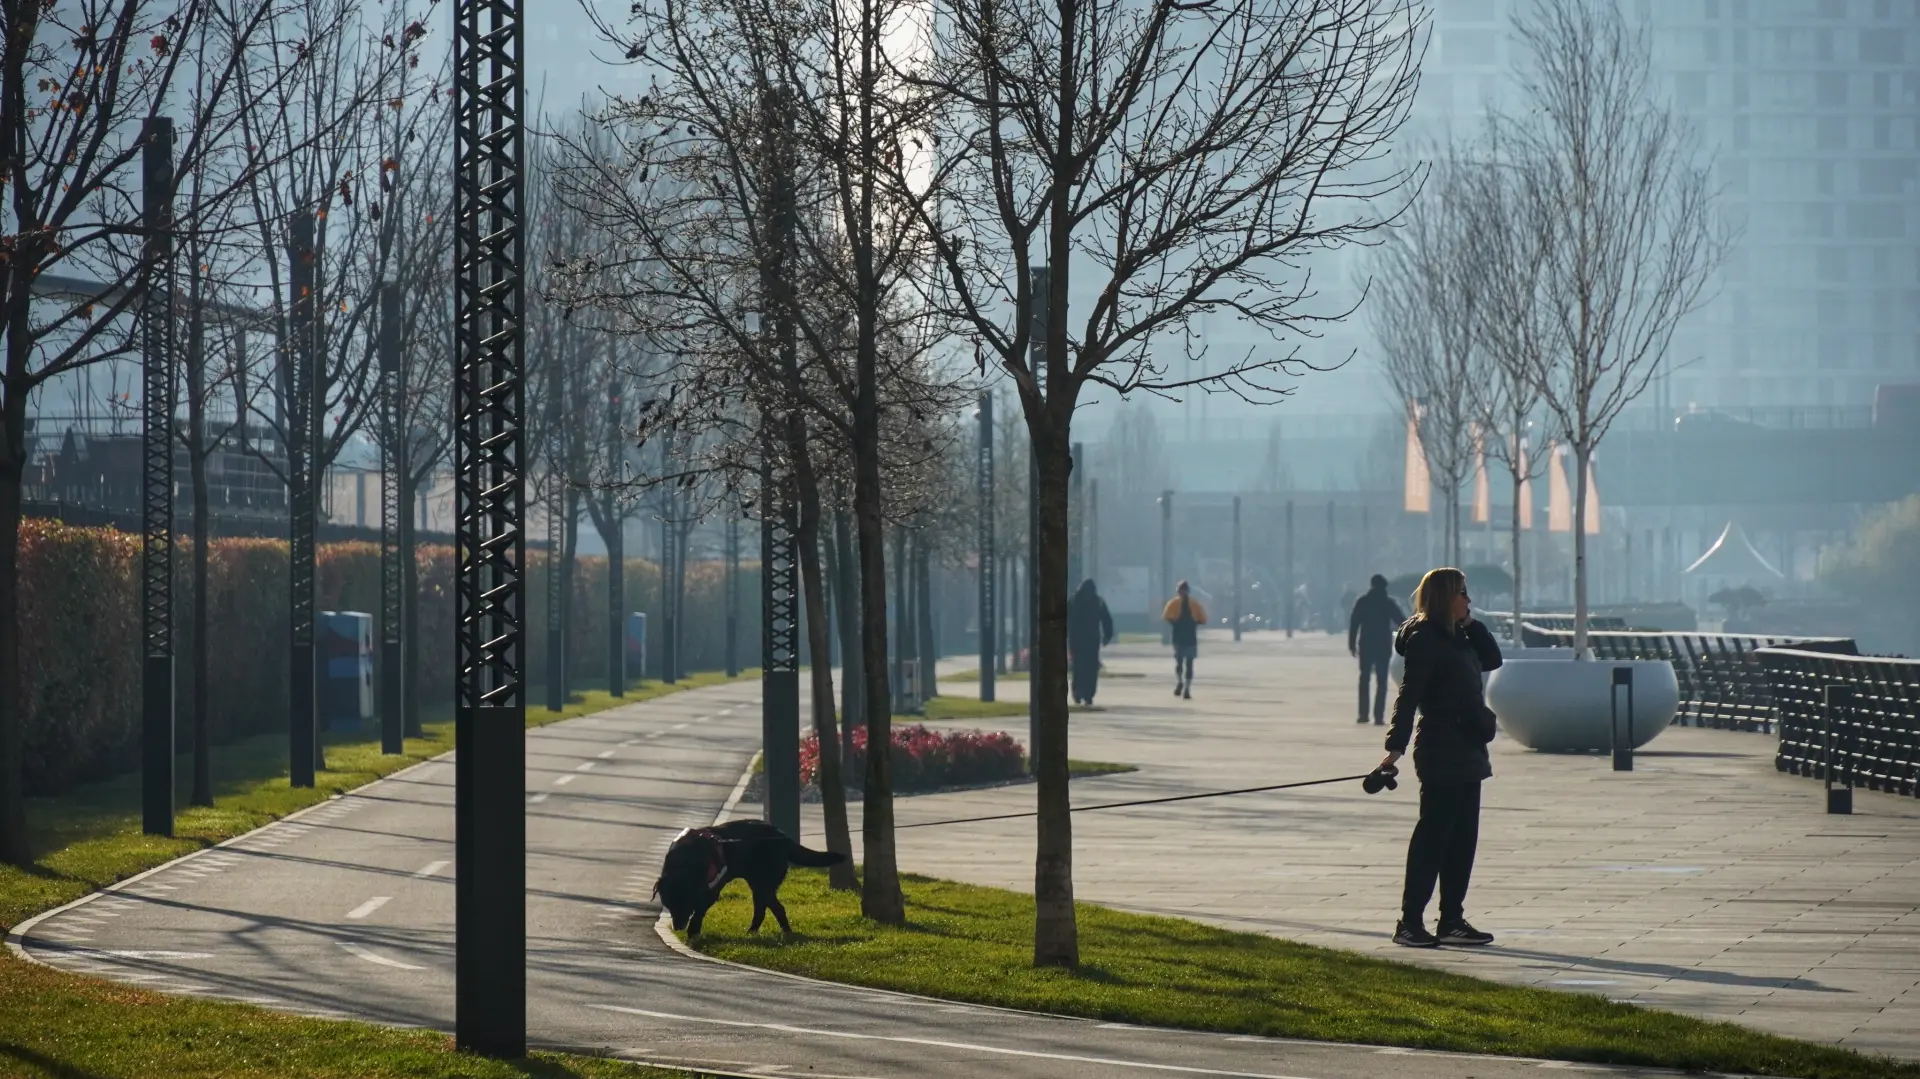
(81, 648)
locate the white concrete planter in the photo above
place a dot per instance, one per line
(1545, 700)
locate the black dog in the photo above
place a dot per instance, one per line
(702, 860)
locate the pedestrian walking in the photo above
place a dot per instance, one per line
(1186, 615)
(1089, 626)
(1370, 630)
(1446, 652)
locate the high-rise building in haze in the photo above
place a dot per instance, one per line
(1811, 111)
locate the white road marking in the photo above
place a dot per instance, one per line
(537, 799)
(604, 754)
(564, 780)
(372, 956)
(680, 726)
(725, 712)
(431, 868)
(156, 955)
(369, 906)
(936, 1043)
(587, 767)
(630, 743)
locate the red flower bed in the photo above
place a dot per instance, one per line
(926, 759)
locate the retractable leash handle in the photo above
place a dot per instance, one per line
(1383, 776)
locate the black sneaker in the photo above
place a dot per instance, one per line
(1178, 689)
(1362, 719)
(1461, 932)
(1187, 693)
(1413, 935)
(1379, 722)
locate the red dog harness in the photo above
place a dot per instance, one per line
(716, 862)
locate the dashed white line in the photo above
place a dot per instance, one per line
(630, 743)
(564, 780)
(604, 754)
(996, 1050)
(537, 799)
(372, 956)
(587, 767)
(369, 906)
(431, 868)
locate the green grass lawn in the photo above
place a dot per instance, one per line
(60, 1026)
(90, 837)
(975, 944)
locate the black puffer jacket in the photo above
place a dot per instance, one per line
(1442, 681)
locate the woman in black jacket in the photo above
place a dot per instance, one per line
(1446, 652)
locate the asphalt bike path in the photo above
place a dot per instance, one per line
(345, 911)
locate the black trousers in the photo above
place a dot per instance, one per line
(1374, 667)
(1442, 847)
(1086, 673)
(1183, 663)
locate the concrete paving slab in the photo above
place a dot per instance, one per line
(1705, 880)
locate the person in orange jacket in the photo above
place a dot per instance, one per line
(1186, 616)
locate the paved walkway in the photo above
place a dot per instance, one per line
(345, 910)
(1704, 881)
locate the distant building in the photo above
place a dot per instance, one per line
(1812, 111)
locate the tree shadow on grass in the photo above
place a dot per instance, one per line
(33, 1059)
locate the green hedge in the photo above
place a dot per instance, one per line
(79, 591)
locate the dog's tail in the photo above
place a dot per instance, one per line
(815, 859)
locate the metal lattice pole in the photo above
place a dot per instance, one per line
(989, 565)
(779, 653)
(557, 525)
(779, 583)
(393, 467)
(1037, 358)
(1238, 581)
(490, 824)
(156, 557)
(303, 436)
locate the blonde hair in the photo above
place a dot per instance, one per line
(1433, 599)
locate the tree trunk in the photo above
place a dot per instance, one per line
(1582, 452)
(923, 619)
(15, 848)
(833, 787)
(1055, 932)
(880, 897)
(1518, 606)
(847, 616)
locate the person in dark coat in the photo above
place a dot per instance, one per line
(1370, 632)
(1446, 652)
(1089, 626)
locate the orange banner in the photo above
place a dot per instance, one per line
(1559, 498)
(1419, 498)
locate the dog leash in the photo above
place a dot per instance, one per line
(1142, 801)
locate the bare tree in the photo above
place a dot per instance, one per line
(1168, 161)
(1637, 238)
(1425, 311)
(1509, 235)
(77, 81)
(749, 180)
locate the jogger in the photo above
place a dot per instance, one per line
(1186, 616)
